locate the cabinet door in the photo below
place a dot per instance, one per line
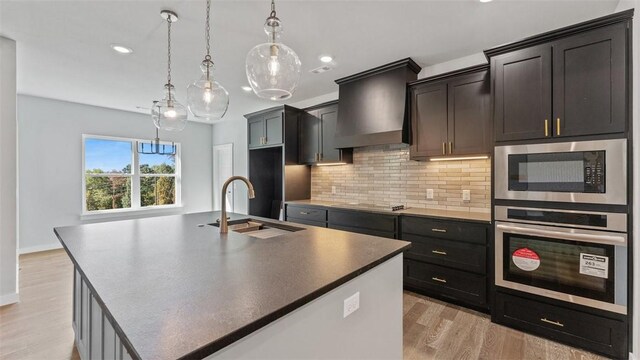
(469, 116)
(429, 120)
(256, 132)
(309, 137)
(329, 119)
(522, 94)
(273, 128)
(589, 82)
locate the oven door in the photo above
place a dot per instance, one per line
(580, 266)
(583, 172)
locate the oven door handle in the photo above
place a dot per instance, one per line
(616, 240)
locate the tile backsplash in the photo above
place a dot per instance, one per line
(384, 175)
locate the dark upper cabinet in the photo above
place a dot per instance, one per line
(317, 136)
(522, 94)
(469, 115)
(450, 114)
(429, 120)
(569, 82)
(265, 129)
(589, 82)
(277, 126)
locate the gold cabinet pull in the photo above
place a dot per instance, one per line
(450, 147)
(558, 126)
(546, 127)
(444, 149)
(556, 323)
(438, 252)
(439, 280)
(439, 230)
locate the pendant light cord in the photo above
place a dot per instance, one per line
(273, 8)
(207, 30)
(169, 54)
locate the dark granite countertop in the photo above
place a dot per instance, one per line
(175, 289)
(429, 213)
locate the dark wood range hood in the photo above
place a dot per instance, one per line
(373, 105)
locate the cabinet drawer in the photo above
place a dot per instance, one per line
(362, 220)
(459, 285)
(595, 333)
(459, 255)
(306, 213)
(444, 229)
(307, 222)
(358, 230)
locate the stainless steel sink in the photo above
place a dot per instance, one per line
(258, 228)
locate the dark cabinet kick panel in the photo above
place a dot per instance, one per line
(451, 114)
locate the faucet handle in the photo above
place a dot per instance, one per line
(218, 219)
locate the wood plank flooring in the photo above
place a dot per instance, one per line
(39, 327)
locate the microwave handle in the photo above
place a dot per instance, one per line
(616, 240)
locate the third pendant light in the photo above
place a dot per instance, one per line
(273, 69)
(206, 98)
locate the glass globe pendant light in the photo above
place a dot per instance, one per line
(273, 69)
(168, 114)
(206, 98)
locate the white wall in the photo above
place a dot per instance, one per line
(234, 131)
(8, 163)
(50, 162)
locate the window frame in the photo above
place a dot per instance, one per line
(134, 177)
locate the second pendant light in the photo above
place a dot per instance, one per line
(206, 98)
(273, 69)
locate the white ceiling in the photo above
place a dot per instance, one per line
(64, 46)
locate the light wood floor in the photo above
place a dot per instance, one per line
(39, 327)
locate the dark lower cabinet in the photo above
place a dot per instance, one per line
(448, 259)
(306, 215)
(595, 333)
(447, 283)
(363, 222)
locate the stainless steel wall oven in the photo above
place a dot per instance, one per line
(574, 256)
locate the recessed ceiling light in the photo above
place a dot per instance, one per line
(121, 49)
(246, 88)
(485, 1)
(326, 58)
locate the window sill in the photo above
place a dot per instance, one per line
(130, 213)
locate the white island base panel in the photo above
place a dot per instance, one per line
(318, 329)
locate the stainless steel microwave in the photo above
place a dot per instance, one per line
(580, 172)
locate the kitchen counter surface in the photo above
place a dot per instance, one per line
(176, 289)
(430, 213)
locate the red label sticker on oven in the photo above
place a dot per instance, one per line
(526, 259)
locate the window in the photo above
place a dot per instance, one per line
(118, 177)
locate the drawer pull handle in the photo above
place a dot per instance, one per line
(304, 213)
(439, 280)
(556, 323)
(439, 230)
(439, 252)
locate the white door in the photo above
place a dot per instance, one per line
(222, 170)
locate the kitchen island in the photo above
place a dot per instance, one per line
(174, 287)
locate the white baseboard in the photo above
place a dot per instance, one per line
(9, 299)
(632, 357)
(32, 249)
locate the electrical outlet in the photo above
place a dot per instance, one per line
(429, 194)
(333, 190)
(351, 304)
(466, 195)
